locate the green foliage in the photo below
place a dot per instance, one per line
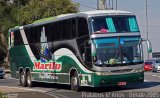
(20, 2)
(44, 19)
(21, 12)
(2, 95)
(7, 16)
(39, 9)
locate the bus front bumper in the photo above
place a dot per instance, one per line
(117, 80)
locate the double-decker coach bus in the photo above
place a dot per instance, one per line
(95, 48)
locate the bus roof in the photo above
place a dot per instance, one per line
(87, 13)
(51, 18)
(82, 14)
(108, 12)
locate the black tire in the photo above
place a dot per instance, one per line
(22, 79)
(2, 77)
(29, 79)
(75, 84)
(155, 70)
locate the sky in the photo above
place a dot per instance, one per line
(138, 7)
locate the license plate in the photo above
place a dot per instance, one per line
(122, 83)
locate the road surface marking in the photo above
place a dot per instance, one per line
(54, 94)
(152, 75)
(145, 80)
(24, 89)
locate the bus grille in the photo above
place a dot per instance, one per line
(121, 70)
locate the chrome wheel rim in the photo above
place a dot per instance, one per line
(29, 80)
(74, 80)
(22, 78)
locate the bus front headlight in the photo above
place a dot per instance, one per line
(103, 73)
(139, 70)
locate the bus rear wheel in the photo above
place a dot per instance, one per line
(29, 79)
(75, 85)
(22, 79)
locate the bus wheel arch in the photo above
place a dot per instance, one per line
(21, 70)
(22, 77)
(74, 80)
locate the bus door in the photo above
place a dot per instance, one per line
(87, 57)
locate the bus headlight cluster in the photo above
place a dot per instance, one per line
(139, 70)
(103, 73)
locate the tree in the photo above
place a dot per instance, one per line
(20, 2)
(38, 9)
(20, 12)
(7, 16)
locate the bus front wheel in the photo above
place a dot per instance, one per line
(22, 79)
(75, 85)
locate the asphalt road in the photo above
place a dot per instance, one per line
(150, 89)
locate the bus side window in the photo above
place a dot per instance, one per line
(73, 28)
(83, 37)
(56, 30)
(17, 38)
(83, 34)
(82, 27)
(87, 54)
(66, 29)
(48, 32)
(33, 34)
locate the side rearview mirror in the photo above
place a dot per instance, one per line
(149, 46)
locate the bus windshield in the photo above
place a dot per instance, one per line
(121, 55)
(119, 24)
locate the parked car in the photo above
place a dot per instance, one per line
(2, 72)
(148, 65)
(152, 64)
(156, 66)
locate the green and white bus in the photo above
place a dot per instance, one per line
(95, 48)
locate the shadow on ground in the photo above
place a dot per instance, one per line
(98, 89)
